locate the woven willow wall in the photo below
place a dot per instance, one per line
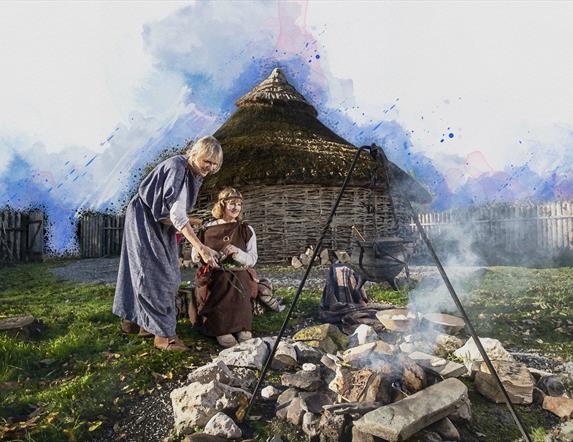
(289, 218)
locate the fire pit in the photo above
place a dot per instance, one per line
(397, 319)
(447, 323)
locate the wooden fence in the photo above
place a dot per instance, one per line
(21, 236)
(506, 233)
(501, 233)
(100, 235)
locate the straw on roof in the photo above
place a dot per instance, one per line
(275, 138)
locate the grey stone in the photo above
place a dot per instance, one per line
(295, 262)
(363, 334)
(332, 427)
(285, 357)
(245, 378)
(223, 426)
(214, 371)
(295, 412)
(196, 403)
(446, 429)
(447, 344)
(551, 385)
(515, 377)
(329, 361)
(442, 367)
(313, 402)
(287, 396)
(326, 337)
(304, 380)
(306, 353)
(370, 355)
(403, 419)
(270, 392)
(566, 431)
(249, 354)
(310, 424)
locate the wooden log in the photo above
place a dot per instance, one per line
(22, 326)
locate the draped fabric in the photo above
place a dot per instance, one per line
(224, 296)
(149, 274)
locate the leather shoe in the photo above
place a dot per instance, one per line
(226, 341)
(144, 333)
(170, 343)
(129, 327)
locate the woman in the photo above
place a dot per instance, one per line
(149, 275)
(224, 296)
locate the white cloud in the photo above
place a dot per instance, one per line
(71, 69)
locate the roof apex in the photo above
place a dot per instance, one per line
(276, 90)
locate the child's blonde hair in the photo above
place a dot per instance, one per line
(228, 193)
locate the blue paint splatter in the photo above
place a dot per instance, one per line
(90, 161)
(451, 135)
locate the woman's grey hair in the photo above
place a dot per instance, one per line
(207, 147)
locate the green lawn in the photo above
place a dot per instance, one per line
(72, 381)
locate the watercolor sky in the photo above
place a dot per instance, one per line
(474, 99)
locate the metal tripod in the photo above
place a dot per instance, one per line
(442, 273)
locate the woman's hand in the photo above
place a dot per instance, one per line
(209, 256)
(229, 250)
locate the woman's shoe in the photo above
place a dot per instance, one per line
(129, 327)
(244, 336)
(170, 343)
(144, 333)
(226, 341)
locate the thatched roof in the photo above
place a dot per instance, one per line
(275, 138)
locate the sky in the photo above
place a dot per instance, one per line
(474, 99)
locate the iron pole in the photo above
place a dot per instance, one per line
(303, 280)
(473, 333)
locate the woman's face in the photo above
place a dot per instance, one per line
(233, 209)
(202, 165)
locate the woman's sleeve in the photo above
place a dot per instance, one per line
(178, 211)
(249, 257)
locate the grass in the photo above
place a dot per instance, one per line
(73, 381)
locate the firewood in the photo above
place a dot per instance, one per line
(23, 326)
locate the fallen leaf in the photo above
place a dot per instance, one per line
(94, 426)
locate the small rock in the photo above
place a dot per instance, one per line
(566, 431)
(559, 406)
(270, 392)
(313, 402)
(306, 353)
(245, 378)
(447, 344)
(223, 426)
(446, 429)
(362, 335)
(469, 353)
(285, 357)
(250, 354)
(342, 256)
(214, 371)
(551, 385)
(327, 337)
(515, 377)
(309, 367)
(304, 380)
(402, 419)
(332, 427)
(310, 424)
(287, 396)
(295, 412)
(195, 404)
(295, 262)
(445, 369)
(203, 437)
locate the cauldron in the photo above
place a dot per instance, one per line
(381, 260)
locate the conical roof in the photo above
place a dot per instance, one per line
(274, 137)
(276, 91)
